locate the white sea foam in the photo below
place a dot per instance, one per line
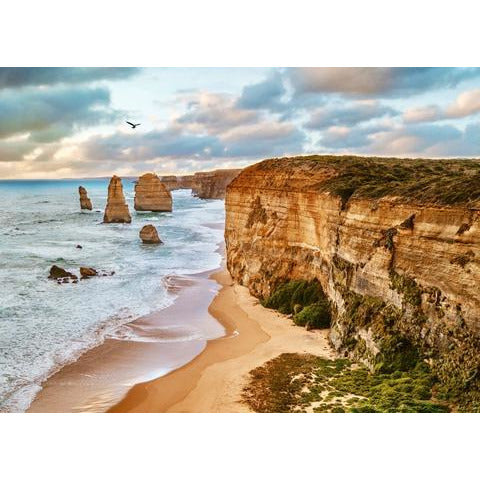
(44, 325)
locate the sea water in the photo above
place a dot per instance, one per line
(44, 325)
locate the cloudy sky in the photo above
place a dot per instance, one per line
(70, 122)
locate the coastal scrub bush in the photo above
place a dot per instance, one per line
(295, 382)
(316, 315)
(306, 301)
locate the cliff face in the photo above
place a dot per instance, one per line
(151, 195)
(204, 185)
(397, 269)
(85, 202)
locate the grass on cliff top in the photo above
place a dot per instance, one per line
(306, 383)
(445, 182)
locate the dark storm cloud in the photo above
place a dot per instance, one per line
(40, 76)
(50, 114)
(381, 82)
(348, 115)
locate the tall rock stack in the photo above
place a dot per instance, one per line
(117, 209)
(151, 195)
(85, 202)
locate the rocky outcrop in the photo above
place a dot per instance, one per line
(149, 234)
(87, 272)
(394, 244)
(85, 202)
(151, 195)
(116, 210)
(204, 185)
(58, 273)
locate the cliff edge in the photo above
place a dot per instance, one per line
(395, 244)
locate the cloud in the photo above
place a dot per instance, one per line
(377, 81)
(267, 138)
(214, 113)
(50, 114)
(344, 138)
(466, 104)
(348, 115)
(266, 94)
(40, 76)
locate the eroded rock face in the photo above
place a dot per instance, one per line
(116, 210)
(149, 235)
(151, 195)
(204, 185)
(392, 268)
(85, 203)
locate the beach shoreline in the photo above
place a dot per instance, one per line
(213, 381)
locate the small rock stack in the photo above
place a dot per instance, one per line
(117, 209)
(85, 202)
(149, 234)
(151, 195)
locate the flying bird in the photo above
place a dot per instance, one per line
(133, 125)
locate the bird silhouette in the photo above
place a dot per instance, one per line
(133, 125)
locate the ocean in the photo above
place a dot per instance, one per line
(44, 325)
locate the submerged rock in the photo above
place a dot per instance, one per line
(117, 209)
(151, 195)
(85, 202)
(149, 234)
(86, 272)
(57, 273)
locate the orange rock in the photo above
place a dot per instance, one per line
(85, 203)
(151, 195)
(149, 234)
(117, 209)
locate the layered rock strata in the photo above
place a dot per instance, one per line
(116, 210)
(85, 202)
(152, 195)
(204, 185)
(400, 272)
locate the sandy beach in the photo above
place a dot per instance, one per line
(213, 381)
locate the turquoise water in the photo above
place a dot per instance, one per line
(44, 325)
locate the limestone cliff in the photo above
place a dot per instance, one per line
(204, 185)
(85, 202)
(394, 243)
(151, 195)
(116, 210)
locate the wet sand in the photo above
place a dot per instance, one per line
(163, 341)
(213, 381)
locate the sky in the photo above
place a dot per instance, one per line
(71, 122)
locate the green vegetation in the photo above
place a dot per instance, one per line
(407, 287)
(316, 315)
(300, 383)
(304, 300)
(445, 182)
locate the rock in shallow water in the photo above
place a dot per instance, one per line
(86, 272)
(149, 234)
(57, 273)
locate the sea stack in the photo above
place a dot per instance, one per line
(85, 202)
(151, 195)
(117, 209)
(149, 234)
